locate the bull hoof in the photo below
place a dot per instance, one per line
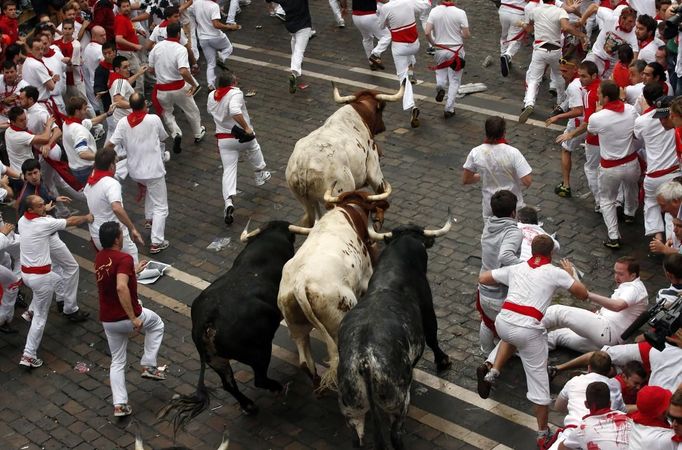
(250, 409)
(443, 364)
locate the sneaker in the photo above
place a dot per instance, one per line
(613, 244)
(414, 118)
(292, 84)
(525, 113)
(153, 373)
(166, 156)
(313, 33)
(27, 361)
(552, 371)
(375, 62)
(341, 23)
(261, 176)
(505, 60)
(7, 328)
(597, 209)
(440, 95)
(177, 143)
(545, 439)
(281, 17)
(122, 410)
(430, 50)
(562, 191)
(78, 316)
(448, 114)
(157, 248)
(628, 219)
(229, 215)
(483, 386)
(201, 135)
(27, 316)
(147, 224)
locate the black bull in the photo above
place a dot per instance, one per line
(236, 317)
(382, 338)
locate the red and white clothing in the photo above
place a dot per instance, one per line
(53, 60)
(366, 20)
(141, 136)
(223, 104)
(19, 147)
(530, 231)
(92, 56)
(167, 58)
(72, 50)
(214, 42)
(573, 99)
(124, 27)
(501, 166)
(647, 49)
(604, 430)
(399, 16)
(618, 167)
(448, 21)
(160, 33)
(662, 165)
(512, 15)
(7, 92)
(574, 392)
(531, 287)
(591, 167)
(77, 140)
(665, 365)
(119, 85)
(604, 53)
(36, 73)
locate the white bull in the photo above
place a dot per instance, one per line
(327, 275)
(341, 151)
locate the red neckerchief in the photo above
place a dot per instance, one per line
(222, 92)
(113, 76)
(97, 175)
(645, 42)
(49, 72)
(135, 118)
(615, 106)
(598, 412)
(31, 216)
(79, 19)
(495, 141)
(676, 438)
(70, 120)
(49, 53)
(638, 417)
(173, 40)
(16, 128)
(649, 109)
(106, 65)
(447, 3)
(658, 17)
(10, 92)
(163, 23)
(536, 261)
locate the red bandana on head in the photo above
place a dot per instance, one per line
(97, 175)
(536, 261)
(135, 118)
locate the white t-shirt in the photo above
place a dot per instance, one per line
(529, 231)
(8, 91)
(143, 145)
(19, 148)
(547, 24)
(167, 58)
(513, 6)
(35, 74)
(123, 88)
(633, 92)
(230, 105)
(92, 55)
(611, 36)
(635, 295)
(642, 7)
(205, 12)
(77, 139)
(648, 53)
(665, 367)
(55, 64)
(100, 196)
(610, 431)
(574, 99)
(615, 131)
(658, 142)
(35, 239)
(160, 33)
(447, 22)
(651, 438)
(501, 166)
(574, 391)
(533, 287)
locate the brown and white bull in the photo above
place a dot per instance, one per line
(328, 274)
(342, 152)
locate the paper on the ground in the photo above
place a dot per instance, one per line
(471, 88)
(152, 272)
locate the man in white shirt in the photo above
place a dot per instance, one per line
(446, 29)
(10, 85)
(512, 14)
(105, 202)
(365, 19)
(36, 73)
(645, 30)
(618, 29)
(73, 53)
(92, 56)
(121, 88)
(582, 330)
(212, 39)
(618, 167)
(54, 61)
(651, 430)
(497, 165)
(228, 109)
(141, 137)
(175, 86)
(528, 224)
(548, 22)
(39, 237)
(19, 141)
(531, 287)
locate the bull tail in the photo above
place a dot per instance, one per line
(328, 380)
(183, 408)
(366, 373)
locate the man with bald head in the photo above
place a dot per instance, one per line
(92, 56)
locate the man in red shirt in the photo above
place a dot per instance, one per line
(121, 313)
(127, 43)
(9, 25)
(103, 15)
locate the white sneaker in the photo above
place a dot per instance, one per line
(261, 177)
(166, 156)
(201, 135)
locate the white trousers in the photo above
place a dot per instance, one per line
(491, 307)
(134, 60)
(531, 345)
(66, 267)
(510, 29)
(43, 286)
(299, 42)
(156, 206)
(605, 67)
(229, 155)
(10, 289)
(653, 217)
(118, 334)
(591, 168)
(128, 246)
(190, 29)
(447, 78)
(232, 11)
(179, 98)
(213, 48)
(369, 28)
(336, 10)
(610, 182)
(403, 58)
(540, 60)
(578, 329)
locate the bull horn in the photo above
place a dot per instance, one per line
(342, 100)
(442, 231)
(373, 235)
(226, 441)
(246, 235)
(392, 97)
(328, 197)
(299, 230)
(383, 196)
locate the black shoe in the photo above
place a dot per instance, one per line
(414, 118)
(7, 329)
(628, 219)
(60, 307)
(292, 84)
(562, 191)
(440, 95)
(375, 61)
(177, 144)
(556, 111)
(526, 113)
(78, 316)
(448, 114)
(552, 92)
(505, 61)
(229, 215)
(431, 50)
(21, 302)
(613, 244)
(483, 386)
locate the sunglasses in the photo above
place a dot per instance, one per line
(566, 62)
(673, 419)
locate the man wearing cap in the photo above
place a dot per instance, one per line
(675, 419)
(651, 430)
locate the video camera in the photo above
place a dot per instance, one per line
(663, 317)
(673, 25)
